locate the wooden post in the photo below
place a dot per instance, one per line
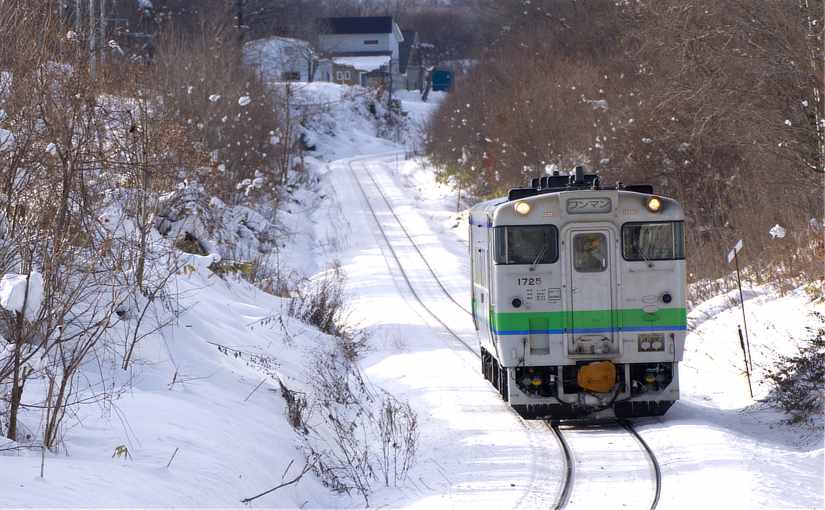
(747, 371)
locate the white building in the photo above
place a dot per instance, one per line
(281, 58)
(370, 45)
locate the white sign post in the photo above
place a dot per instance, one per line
(733, 256)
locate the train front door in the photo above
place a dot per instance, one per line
(591, 317)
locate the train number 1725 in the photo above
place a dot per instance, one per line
(528, 281)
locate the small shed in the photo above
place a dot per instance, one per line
(345, 74)
(369, 70)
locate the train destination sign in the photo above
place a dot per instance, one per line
(588, 205)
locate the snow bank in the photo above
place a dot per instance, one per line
(348, 121)
(13, 293)
(367, 64)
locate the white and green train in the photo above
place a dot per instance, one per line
(578, 297)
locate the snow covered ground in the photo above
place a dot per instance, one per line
(194, 391)
(712, 440)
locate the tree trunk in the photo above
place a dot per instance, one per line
(19, 373)
(16, 393)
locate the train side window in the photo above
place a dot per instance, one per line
(653, 241)
(526, 244)
(590, 252)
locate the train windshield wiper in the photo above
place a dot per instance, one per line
(642, 254)
(538, 257)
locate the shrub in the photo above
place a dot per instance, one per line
(398, 426)
(799, 380)
(359, 438)
(359, 435)
(321, 304)
(296, 408)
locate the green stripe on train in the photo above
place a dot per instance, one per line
(621, 318)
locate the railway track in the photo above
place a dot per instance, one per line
(657, 470)
(414, 244)
(535, 487)
(404, 274)
(569, 471)
(568, 482)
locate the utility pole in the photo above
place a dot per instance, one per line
(92, 41)
(103, 42)
(239, 15)
(77, 8)
(389, 101)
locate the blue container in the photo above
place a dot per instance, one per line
(442, 80)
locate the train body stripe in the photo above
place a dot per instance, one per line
(590, 321)
(589, 330)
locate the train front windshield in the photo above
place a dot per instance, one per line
(653, 241)
(526, 244)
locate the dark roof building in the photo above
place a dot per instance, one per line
(359, 25)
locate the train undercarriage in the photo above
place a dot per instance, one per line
(559, 393)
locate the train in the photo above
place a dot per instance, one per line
(578, 297)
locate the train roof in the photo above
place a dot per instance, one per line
(557, 185)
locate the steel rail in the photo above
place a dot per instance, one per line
(414, 244)
(567, 486)
(401, 267)
(656, 469)
(567, 452)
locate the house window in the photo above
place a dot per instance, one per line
(371, 42)
(291, 76)
(343, 75)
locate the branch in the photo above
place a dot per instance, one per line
(309, 465)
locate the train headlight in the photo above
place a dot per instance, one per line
(522, 208)
(654, 204)
(654, 342)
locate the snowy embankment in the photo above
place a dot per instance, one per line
(196, 430)
(199, 419)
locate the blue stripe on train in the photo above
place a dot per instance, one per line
(590, 330)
